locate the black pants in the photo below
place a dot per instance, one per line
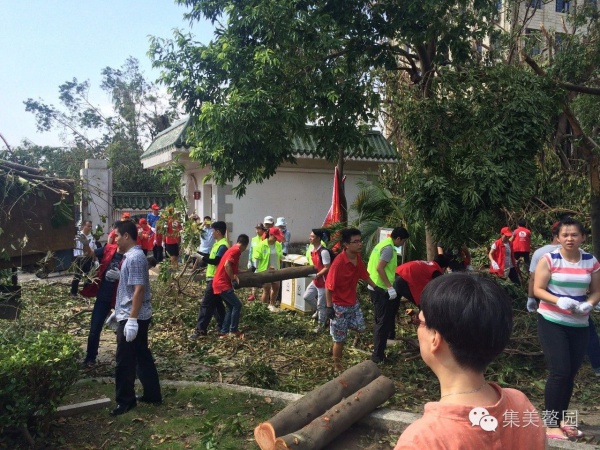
(211, 304)
(157, 252)
(385, 321)
(99, 314)
(135, 357)
(564, 349)
(514, 276)
(83, 265)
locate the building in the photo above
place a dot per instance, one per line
(299, 192)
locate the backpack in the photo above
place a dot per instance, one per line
(332, 255)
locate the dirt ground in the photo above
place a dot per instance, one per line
(357, 438)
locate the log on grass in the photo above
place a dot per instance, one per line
(249, 279)
(303, 411)
(321, 431)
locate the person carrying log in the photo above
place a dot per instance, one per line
(465, 322)
(343, 309)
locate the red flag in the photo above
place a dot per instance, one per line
(337, 211)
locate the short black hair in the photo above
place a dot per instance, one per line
(472, 313)
(442, 261)
(569, 221)
(207, 217)
(243, 239)
(219, 225)
(127, 226)
(522, 222)
(348, 233)
(321, 233)
(400, 232)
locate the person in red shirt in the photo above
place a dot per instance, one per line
(145, 236)
(521, 241)
(413, 276)
(342, 305)
(224, 283)
(112, 234)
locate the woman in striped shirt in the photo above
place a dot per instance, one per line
(562, 280)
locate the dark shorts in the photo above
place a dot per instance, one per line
(524, 255)
(172, 249)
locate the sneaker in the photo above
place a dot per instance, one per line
(73, 295)
(272, 308)
(251, 298)
(315, 316)
(88, 363)
(196, 334)
(597, 307)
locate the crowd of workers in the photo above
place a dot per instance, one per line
(464, 319)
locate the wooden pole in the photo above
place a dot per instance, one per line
(249, 279)
(321, 431)
(303, 411)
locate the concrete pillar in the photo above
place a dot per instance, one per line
(96, 198)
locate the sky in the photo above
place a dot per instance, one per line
(44, 43)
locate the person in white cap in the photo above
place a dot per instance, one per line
(268, 222)
(287, 236)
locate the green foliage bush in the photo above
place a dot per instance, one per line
(35, 374)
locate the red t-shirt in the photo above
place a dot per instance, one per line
(522, 240)
(343, 277)
(221, 281)
(172, 236)
(417, 274)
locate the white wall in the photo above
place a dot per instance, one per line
(97, 185)
(303, 198)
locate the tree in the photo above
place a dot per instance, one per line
(277, 65)
(138, 116)
(569, 59)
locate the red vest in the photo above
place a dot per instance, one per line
(316, 259)
(499, 255)
(522, 240)
(145, 237)
(417, 274)
(91, 290)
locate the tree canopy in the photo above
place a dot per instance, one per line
(138, 114)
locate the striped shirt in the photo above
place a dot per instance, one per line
(568, 280)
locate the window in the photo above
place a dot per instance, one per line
(537, 4)
(562, 6)
(533, 41)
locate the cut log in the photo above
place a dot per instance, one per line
(249, 279)
(303, 411)
(321, 431)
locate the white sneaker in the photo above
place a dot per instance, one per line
(315, 315)
(272, 308)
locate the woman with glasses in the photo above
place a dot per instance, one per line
(562, 280)
(465, 322)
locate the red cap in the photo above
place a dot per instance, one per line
(143, 222)
(155, 206)
(506, 231)
(125, 215)
(276, 232)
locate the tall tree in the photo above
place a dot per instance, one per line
(137, 115)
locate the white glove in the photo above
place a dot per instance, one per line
(392, 293)
(532, 305)
(313, 276)
(113, 275)
(495, 265)
(131, 329)
(567, 303)
(583, 308)
(469, 268)
(111, 322)
(96, 264)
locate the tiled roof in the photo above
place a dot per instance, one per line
(172, 137)
(380, 148)
(140, 200)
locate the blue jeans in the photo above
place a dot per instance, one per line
(232, 316)
(99, 314)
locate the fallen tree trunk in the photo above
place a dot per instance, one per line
(249, 279)
(321, 431)
(303, 411)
